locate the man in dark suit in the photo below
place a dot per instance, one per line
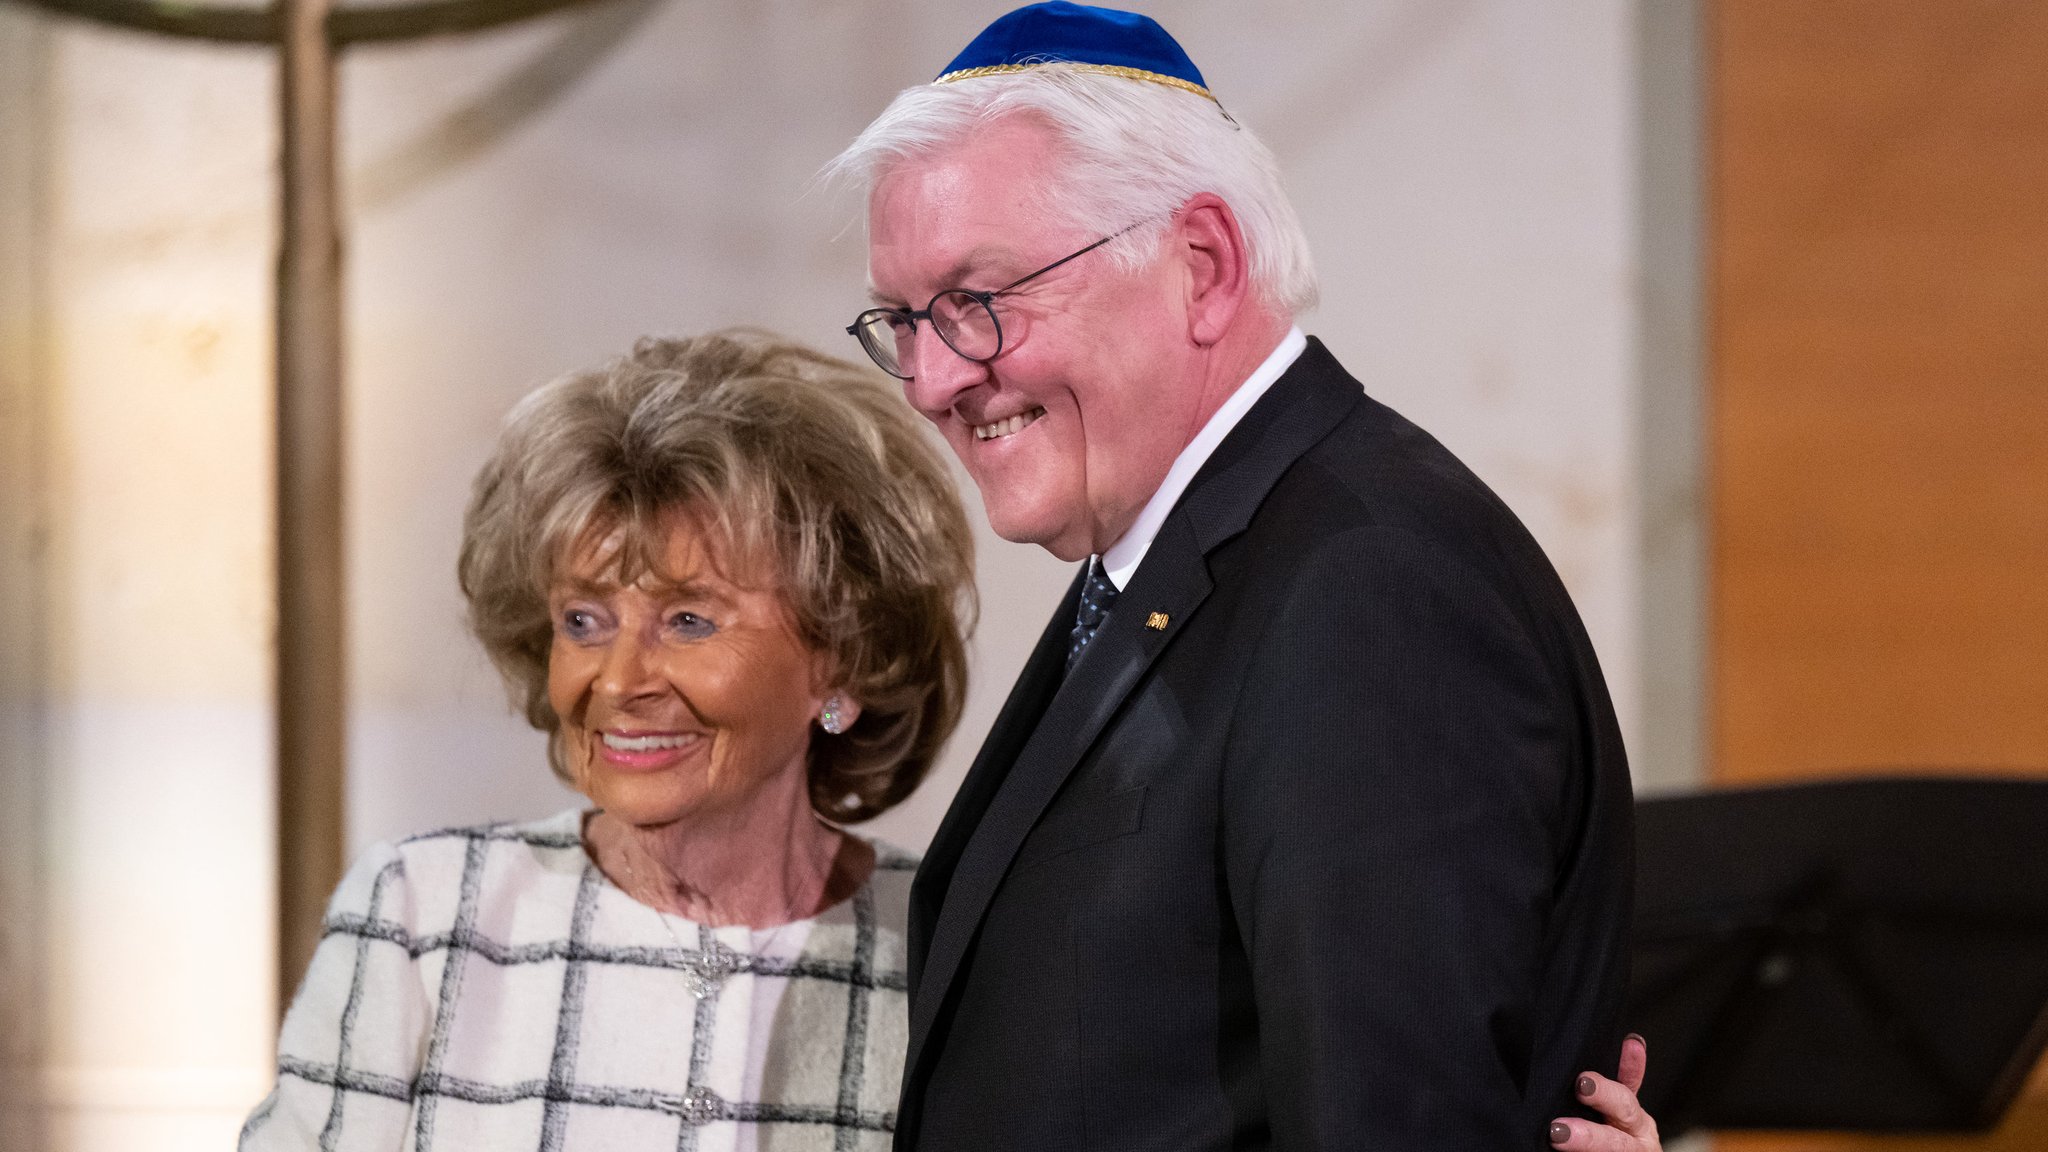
(1307, 822)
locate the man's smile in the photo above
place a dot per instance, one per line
(1007, 427)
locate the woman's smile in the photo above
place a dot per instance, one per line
(642, 750)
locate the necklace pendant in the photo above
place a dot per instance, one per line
(705, 971)
(704, 985)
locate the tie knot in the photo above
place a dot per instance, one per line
(1098, 595)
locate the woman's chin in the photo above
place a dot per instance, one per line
(641, 801)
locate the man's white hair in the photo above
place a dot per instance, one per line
(1134, 153)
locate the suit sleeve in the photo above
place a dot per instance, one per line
(1392, 817)
(355, 1036)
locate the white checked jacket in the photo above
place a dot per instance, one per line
(488, 988)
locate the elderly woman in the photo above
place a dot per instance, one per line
(728, 577)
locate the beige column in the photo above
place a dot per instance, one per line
(155, 597)
(23, 520)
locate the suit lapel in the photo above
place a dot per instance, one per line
(1006, 738)
(1173, 580)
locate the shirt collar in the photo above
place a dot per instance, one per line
(1122, 559)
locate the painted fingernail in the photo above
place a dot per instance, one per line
(1559, 1132)
(1638, 1038)
(1585, 1085)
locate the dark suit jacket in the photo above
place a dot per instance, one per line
(1324, 844)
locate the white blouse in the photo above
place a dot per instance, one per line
(488, 988)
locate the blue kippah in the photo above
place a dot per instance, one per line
(1100, 39)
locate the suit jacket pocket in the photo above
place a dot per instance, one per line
(1081, 822)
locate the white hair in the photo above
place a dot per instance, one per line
(1134, 153)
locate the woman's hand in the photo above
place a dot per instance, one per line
(1628, 1127)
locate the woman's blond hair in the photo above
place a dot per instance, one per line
(811, 471)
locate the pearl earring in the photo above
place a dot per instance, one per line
(832, 717)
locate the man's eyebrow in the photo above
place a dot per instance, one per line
(977, 262)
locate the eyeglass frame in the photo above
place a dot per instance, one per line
(985, 298)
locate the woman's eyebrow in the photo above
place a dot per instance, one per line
(692, 588)
(583, 586)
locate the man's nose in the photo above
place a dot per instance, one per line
(938, 375)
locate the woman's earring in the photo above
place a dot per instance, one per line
(832, 717)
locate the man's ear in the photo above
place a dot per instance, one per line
(1219, 274)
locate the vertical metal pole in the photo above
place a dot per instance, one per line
(311, 674)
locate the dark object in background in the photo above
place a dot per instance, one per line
(1859, 955)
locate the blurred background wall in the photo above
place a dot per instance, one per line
(1506, 200)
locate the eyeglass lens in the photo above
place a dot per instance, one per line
(962, 319)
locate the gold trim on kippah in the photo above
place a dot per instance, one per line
(1105, 69)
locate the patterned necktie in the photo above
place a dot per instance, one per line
(1098, 596)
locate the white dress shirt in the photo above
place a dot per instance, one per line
(1122, 559)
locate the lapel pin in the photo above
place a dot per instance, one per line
(1157, 621)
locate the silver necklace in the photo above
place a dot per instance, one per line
(707, 967)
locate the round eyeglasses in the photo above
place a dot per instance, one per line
(964, 318)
